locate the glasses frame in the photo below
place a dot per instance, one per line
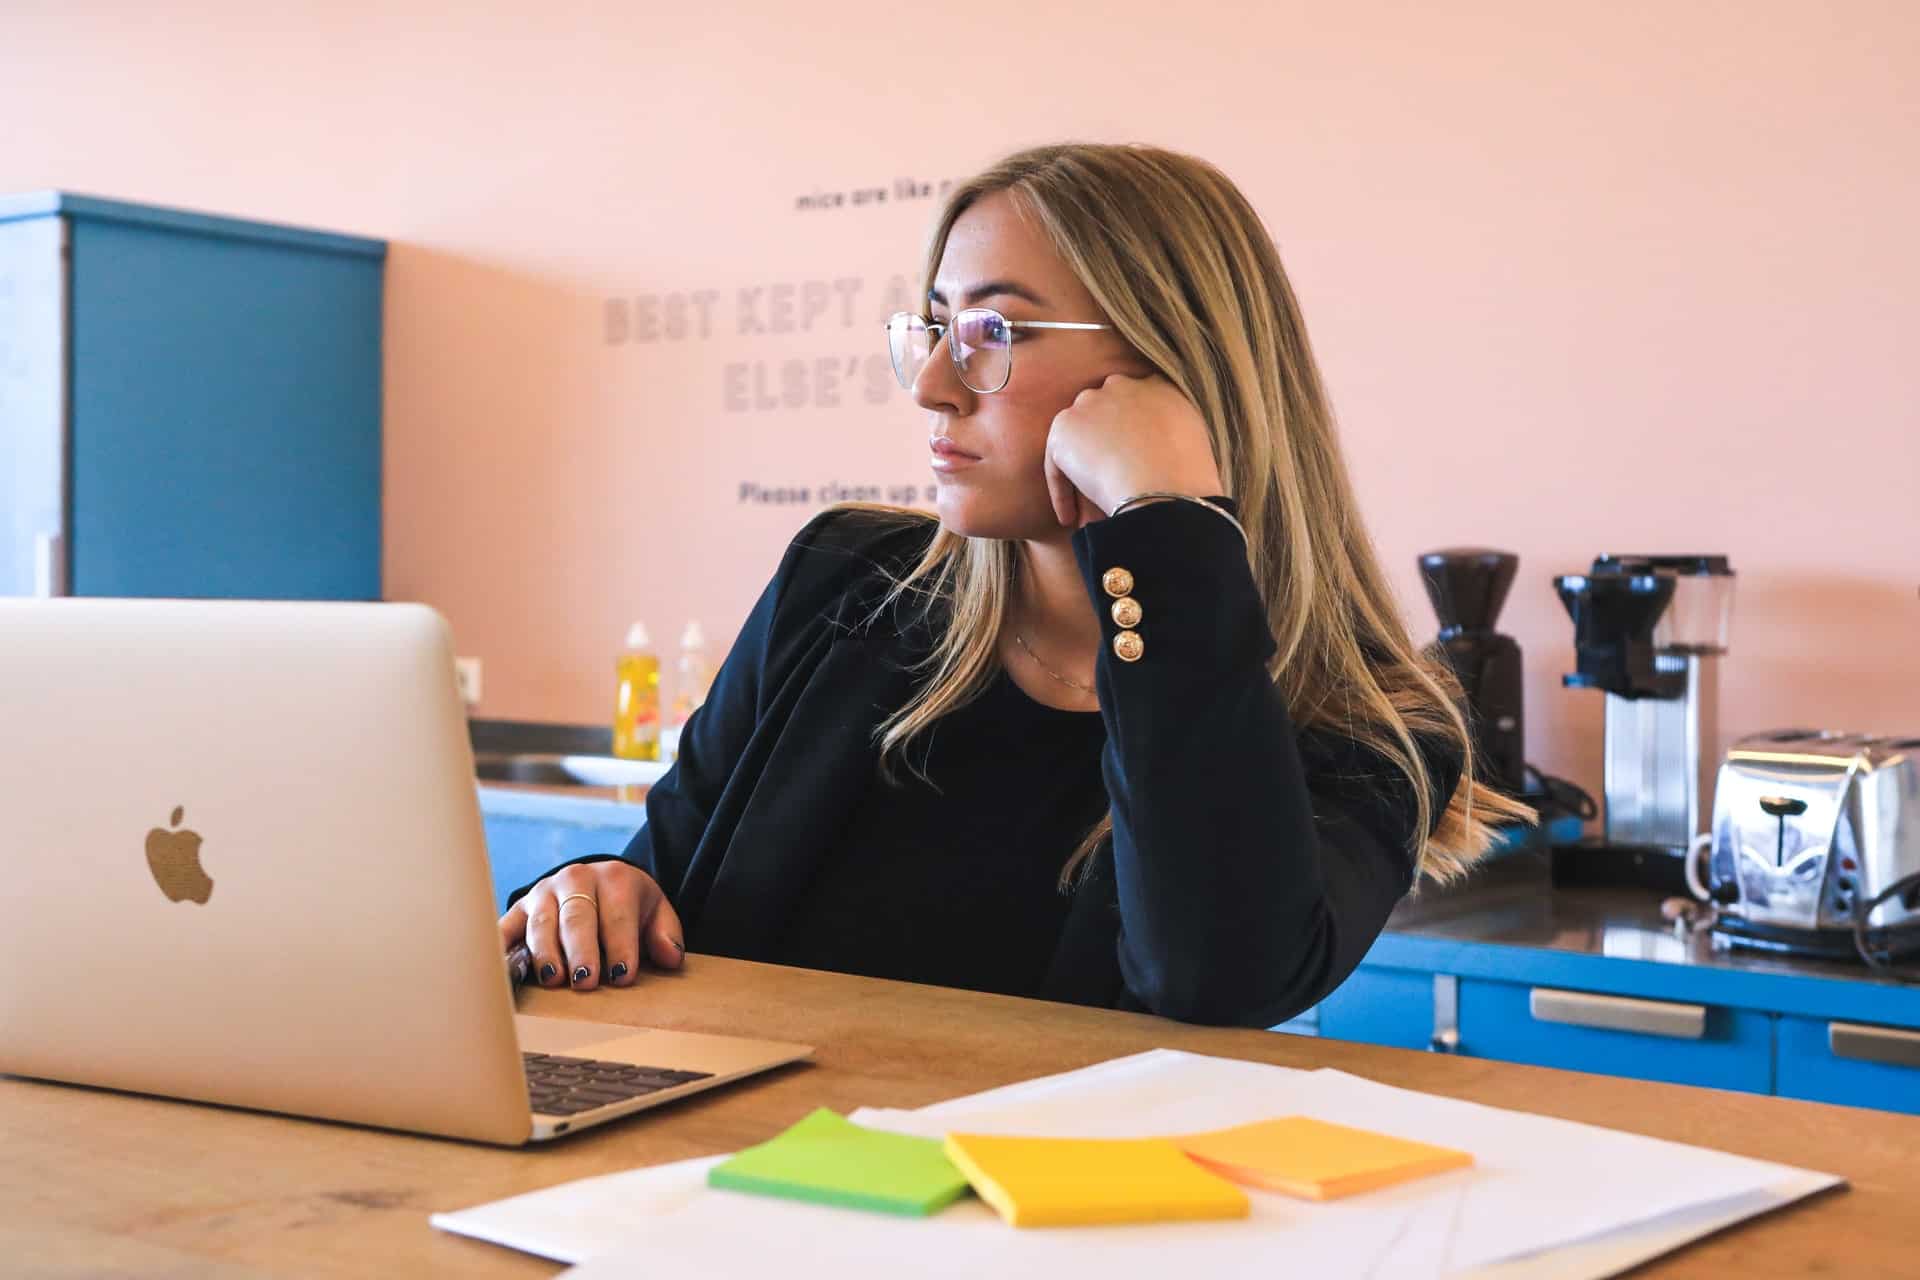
(941, 328)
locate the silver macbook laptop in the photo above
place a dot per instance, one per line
(246, 860)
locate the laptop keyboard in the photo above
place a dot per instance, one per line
(561, 1086)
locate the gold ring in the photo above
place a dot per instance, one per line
(566, 898)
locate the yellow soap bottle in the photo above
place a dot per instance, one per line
(636, 710)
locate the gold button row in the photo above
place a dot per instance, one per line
(1127, 646)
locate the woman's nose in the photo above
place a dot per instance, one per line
(938, 387)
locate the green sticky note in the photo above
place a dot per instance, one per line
(828, 1159)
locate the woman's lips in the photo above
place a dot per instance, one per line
(948, 456)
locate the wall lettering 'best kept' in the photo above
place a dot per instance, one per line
(768, 310)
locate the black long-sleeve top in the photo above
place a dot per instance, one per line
(950, 872)
(1252, 863)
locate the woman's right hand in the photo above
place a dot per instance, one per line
(577, 940)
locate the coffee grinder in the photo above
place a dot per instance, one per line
(1467, 586)
(1649, 632)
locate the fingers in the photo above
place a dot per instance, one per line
(513, 925)
(1060, 491)
(666, 943)
(623, 897)
(543, 933)
(577, 904)
(584, 926)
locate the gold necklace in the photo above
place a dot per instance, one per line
(1071, 684)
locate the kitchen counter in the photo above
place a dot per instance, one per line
(1509, 966)
(1512, 904)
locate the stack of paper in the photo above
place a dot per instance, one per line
(1055, 1182)
(1543, 1197)
(826, 1159)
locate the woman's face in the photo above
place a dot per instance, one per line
(987, 451)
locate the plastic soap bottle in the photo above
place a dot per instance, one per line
(636, 711)
(691, 677)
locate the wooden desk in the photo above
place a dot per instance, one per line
(95, 1182)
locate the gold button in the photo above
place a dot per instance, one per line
(1128, 646)
(1126, 612)
(1118, 582)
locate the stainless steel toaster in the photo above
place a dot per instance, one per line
(1809, 828)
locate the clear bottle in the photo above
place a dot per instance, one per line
(691, 677)
(636, 711)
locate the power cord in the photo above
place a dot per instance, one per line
(1879, 959)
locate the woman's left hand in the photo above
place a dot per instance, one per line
(1124, 437)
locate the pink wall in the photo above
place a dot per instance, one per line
(1583, 277)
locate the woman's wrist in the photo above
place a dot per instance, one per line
(1169, 495)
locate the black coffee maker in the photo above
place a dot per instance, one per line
(1467, 586)
(1649, 632)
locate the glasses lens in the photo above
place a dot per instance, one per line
(983, 348)
(909, 345)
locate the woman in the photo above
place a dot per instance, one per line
(1133, 723)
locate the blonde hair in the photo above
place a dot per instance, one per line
(1181, 265)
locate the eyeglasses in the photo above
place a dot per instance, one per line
(979, 339)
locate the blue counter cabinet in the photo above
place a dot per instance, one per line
(189, 404)
(1381, 1005)
(1852, 1041)
(531, 832)
(1679, 1042)
(1849, 1062)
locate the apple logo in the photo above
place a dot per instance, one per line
(174, 858)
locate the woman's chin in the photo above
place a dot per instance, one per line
(969, 513)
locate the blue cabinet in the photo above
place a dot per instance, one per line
(1853, 1063)
(1681, 1042)
(189, 405)
(1381, 1005)
(1825, 1038)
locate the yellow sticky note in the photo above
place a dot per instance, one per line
(1051, 1182)
(1315, 1159)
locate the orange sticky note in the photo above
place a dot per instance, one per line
(1051, 1182)
(1315, 1159)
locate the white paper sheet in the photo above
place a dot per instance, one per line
(587, 1218)
(1545, 1198)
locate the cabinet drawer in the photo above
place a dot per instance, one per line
(1381, 1006)
(1674, 1041)
(1856, 1064)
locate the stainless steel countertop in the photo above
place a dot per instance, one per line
(1512, 902)
(556, 755)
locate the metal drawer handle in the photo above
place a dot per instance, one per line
(1446, 1014)
(1620, 1013)
(49, 565)
(1874, 1044)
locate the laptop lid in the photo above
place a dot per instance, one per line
(246, 863)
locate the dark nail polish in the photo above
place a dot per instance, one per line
(582, 974)
(618, 971)
(546, 972)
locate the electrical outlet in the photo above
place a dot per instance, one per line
(466, 674)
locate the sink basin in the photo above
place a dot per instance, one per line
(563, 755)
